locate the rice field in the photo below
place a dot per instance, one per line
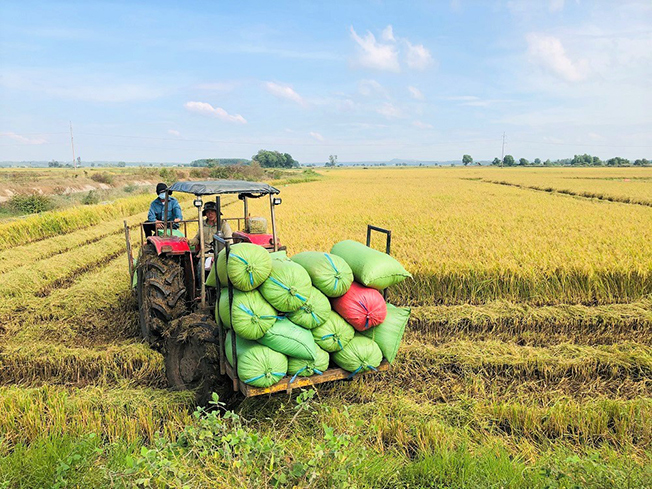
(527, 362)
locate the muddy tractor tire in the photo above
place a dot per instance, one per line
(190, 350)
(161, 294)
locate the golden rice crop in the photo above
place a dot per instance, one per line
(469, 242)
(533, 330)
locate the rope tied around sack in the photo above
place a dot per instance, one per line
(248, 267)
(302, 369)
(366, 322)
(307, 307)
(291, 290)
(336, 339)
(266, 374)
(337, 272)
(360, 368)
(255, 316)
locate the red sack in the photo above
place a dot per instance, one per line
(361, 307)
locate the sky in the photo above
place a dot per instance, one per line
(364, 80)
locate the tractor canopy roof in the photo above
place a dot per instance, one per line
(213, 187)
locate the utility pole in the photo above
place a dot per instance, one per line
(502, 155)
(72, 144)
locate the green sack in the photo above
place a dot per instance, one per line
(279, 255)
(251, 315)
(222, 307)
(287, 287)
(389, 333)
(329, 273)
(249, 265)
(292, 340)
(258, 365)
(305, 368)
(210, 280)
(334, 334)
(360, 355)
(312, 313)
(370, 267)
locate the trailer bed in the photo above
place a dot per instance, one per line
(284, 384)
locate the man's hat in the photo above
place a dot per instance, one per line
(161, 187)
(210, 206)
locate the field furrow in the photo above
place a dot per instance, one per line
(34, 252)
(41, 363)
(36, 277)
(577, 193)
(536, 326)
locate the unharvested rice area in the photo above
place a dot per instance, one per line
(625, 185)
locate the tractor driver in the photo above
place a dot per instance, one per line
(157, 208)
(210, 228)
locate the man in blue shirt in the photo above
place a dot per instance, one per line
(157, 208)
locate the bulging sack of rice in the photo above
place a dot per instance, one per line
(389, 333)
(334, 334)
(298, 367)
(361, 307)
(251, 315)
(291, 340)
(258, 365)
(329, 273)
(248, 266)
(222, 308)
(256, 225)
(359, 355)
(287, 287)
(370, 267)
(279, 255)
(312, 313)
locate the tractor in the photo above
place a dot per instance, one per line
(176, 307)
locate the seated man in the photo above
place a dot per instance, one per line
(210, 228)
(157, 208)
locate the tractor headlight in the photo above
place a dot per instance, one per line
(276, 201)
(197, 203)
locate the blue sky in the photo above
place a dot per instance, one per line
(177, 81)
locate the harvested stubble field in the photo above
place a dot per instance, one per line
(527, 363)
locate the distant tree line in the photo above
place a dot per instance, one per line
(577, 160)
(274, 159)
(213, 162)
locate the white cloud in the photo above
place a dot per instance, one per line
(462, 98)
(416, 93)
(375, 55)
(204, 108)
(174, 132)
(23, 139)
(384, 56)
(317, 136)
(422, 125)
(218, 86)
(388, 34)
(418, 57)
(549, 52)
(556, 5)
(390, 111)
(286, 92)
(371, 87)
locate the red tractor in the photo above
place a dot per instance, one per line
(175, 306)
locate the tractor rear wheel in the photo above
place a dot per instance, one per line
(161, 293)
(192, 358)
